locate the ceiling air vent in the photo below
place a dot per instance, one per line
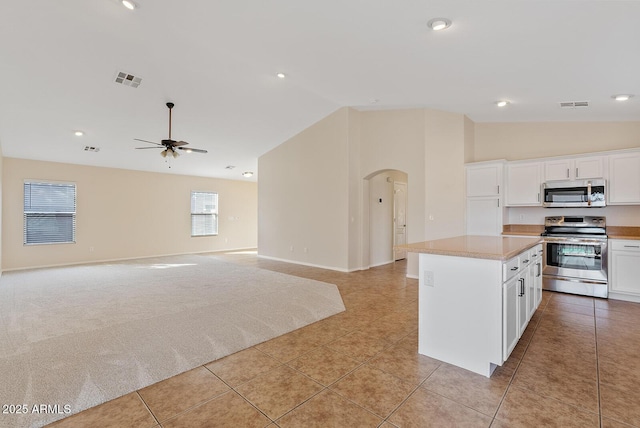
(91, 149)
(574, 104)
(128, 79)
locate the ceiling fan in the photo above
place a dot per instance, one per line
(170, 146)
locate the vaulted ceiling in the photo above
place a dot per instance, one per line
(218, 61)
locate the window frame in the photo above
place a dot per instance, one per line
(215, 215)
(32, 213)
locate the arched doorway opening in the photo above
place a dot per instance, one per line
(385, 220)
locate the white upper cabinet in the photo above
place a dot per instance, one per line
(624, 179)
(523, 184)
(574, 169)
(484, 179)
(484, 216)
(589, 167)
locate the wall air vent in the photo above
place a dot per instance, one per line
(574, 104)
(91, 149)
(128, 79)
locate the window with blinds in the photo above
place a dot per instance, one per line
(49, 213)
(204, 213)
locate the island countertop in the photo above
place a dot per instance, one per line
(474, 246)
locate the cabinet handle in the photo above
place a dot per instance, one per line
(577, 173)
(632, 246)
(567, 172)
(521, 281)
(514, 268)
(539, 269)
(498, 189)
(525, 261)
(538, 196)
(498, 203)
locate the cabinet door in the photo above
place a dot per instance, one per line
(624, 179)
(484, 216)
(589, 167)
(558, 169)
(510, 319)
(625, 267)
(523, 303)
(538, 281)
(531, 290)
(485, 180)
(523, 184)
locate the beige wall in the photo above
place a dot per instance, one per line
(514, 141)
(332, 161)
(444, 174)
(125, 214)
(395, 140)
(304, 196)
(1, 205)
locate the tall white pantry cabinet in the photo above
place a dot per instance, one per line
(484, 198)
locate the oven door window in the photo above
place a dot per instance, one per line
(574, 256)
(567, 195)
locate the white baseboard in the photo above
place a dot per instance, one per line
(412, 276)
(625, 297)
(296, 262)
(89, 262)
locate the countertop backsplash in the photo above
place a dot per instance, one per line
(617, 215)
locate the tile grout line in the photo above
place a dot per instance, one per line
(495, 414)
(147, 406)
(595, 330)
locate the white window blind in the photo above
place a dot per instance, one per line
(204, 213)
(49, 213)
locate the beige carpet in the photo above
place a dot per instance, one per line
(75, 337)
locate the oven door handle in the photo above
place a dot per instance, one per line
(576, 240)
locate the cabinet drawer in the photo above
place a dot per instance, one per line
(625, 245)
(510, 268)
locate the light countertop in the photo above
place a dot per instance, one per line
(473, 246)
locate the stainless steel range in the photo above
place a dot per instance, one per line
(575, 255)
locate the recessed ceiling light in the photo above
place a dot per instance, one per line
(129, 4)
(622, 97)
(247, 174)
(502, 103)
(78, 133)
(437, 24)
(281, 75)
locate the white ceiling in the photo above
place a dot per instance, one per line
(217, 61)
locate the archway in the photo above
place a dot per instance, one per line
(385, 222)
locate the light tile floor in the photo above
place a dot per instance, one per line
(577, 365)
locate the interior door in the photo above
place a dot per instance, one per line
(399, 218)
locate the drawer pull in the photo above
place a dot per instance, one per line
(514, 268)
(525, 261)
(632, 246)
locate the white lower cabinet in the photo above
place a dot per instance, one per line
(624, 269)
(521, 295)
(472, 311)
(510, 319)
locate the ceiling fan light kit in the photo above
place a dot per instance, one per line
(169, 144)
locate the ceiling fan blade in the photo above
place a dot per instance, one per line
(148, 148)
(189, 150)
(179, 143)
(145, 141)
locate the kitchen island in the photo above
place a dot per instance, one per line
(476, 296)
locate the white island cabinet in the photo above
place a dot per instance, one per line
(476, 295)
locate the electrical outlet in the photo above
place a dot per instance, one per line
(428, 278)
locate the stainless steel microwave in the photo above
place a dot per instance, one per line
(574, 193)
